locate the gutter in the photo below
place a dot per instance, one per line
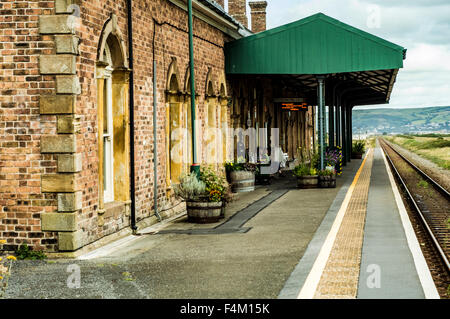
(195, 166)
(131, 114)
(210, 14)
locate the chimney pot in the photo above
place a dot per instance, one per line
(258, 13)
(238, 10)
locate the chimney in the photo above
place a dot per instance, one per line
(221, 2)
(238, 10)
(258, 13)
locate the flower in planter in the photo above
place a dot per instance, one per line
(249, 167)
(216, 186)
(327, 172)
(215, 196)
(332, 157)
(304, 170)
(327, 178)
(190, 187)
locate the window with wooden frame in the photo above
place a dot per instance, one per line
(113, 119)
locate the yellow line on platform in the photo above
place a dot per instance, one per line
(309, 289)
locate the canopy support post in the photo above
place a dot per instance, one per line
(321, 99)
(344, 132)
(338, 122)
(349, 130)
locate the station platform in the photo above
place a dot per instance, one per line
(279, 241)
(365, 247)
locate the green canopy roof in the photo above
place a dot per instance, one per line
(318, 44)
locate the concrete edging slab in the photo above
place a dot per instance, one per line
(420, 263)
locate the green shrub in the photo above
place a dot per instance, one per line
(326, 172)
(249, 167)
(437, 143)
(190, 187)
(359, 147)
(217, 188)
(24, 252)
(315, 159)
(304, 170)
(422, 184)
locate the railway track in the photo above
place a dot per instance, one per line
(427, 198)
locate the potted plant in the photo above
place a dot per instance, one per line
(332, 158)
(263, 163)
(306, 176)
(216, 187)
(241, 176)
(358, 149)
(205, 196)
(327, 178)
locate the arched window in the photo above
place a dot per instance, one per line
(188, 121)
(112, 97)
(224, 127)
(175, 132)
(211, 122)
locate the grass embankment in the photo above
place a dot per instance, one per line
(435, 147)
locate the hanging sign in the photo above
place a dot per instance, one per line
(294, 107)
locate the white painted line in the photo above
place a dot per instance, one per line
(118, 244)
(109, 248)
(419, 260)
(312, 281)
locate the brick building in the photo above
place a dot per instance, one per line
(65, 124)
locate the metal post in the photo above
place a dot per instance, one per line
(195, 166)
(349, 132)
(321, 121)
(331, 125)
(338, 123)
(344, 133)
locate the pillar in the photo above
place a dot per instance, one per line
(349, 132)
(321, 100)
(331, 128)
(344, 133)
(338, 122)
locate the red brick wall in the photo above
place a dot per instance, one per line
(22, 125)
(171, 41)
(21, 163)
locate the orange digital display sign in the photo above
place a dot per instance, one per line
(294, 107)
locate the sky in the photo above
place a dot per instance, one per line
(420, 26)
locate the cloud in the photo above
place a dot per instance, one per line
(421, 26)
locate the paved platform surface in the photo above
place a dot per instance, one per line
(187, 261)
(365, 247)
(268, 246)
(385, 253)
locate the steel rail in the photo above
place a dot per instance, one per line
(436, 243)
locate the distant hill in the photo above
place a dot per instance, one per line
(408, 120)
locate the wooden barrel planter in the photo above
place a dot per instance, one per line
(310, 181)
(204, 212)
(242, 181)
(327, 181)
